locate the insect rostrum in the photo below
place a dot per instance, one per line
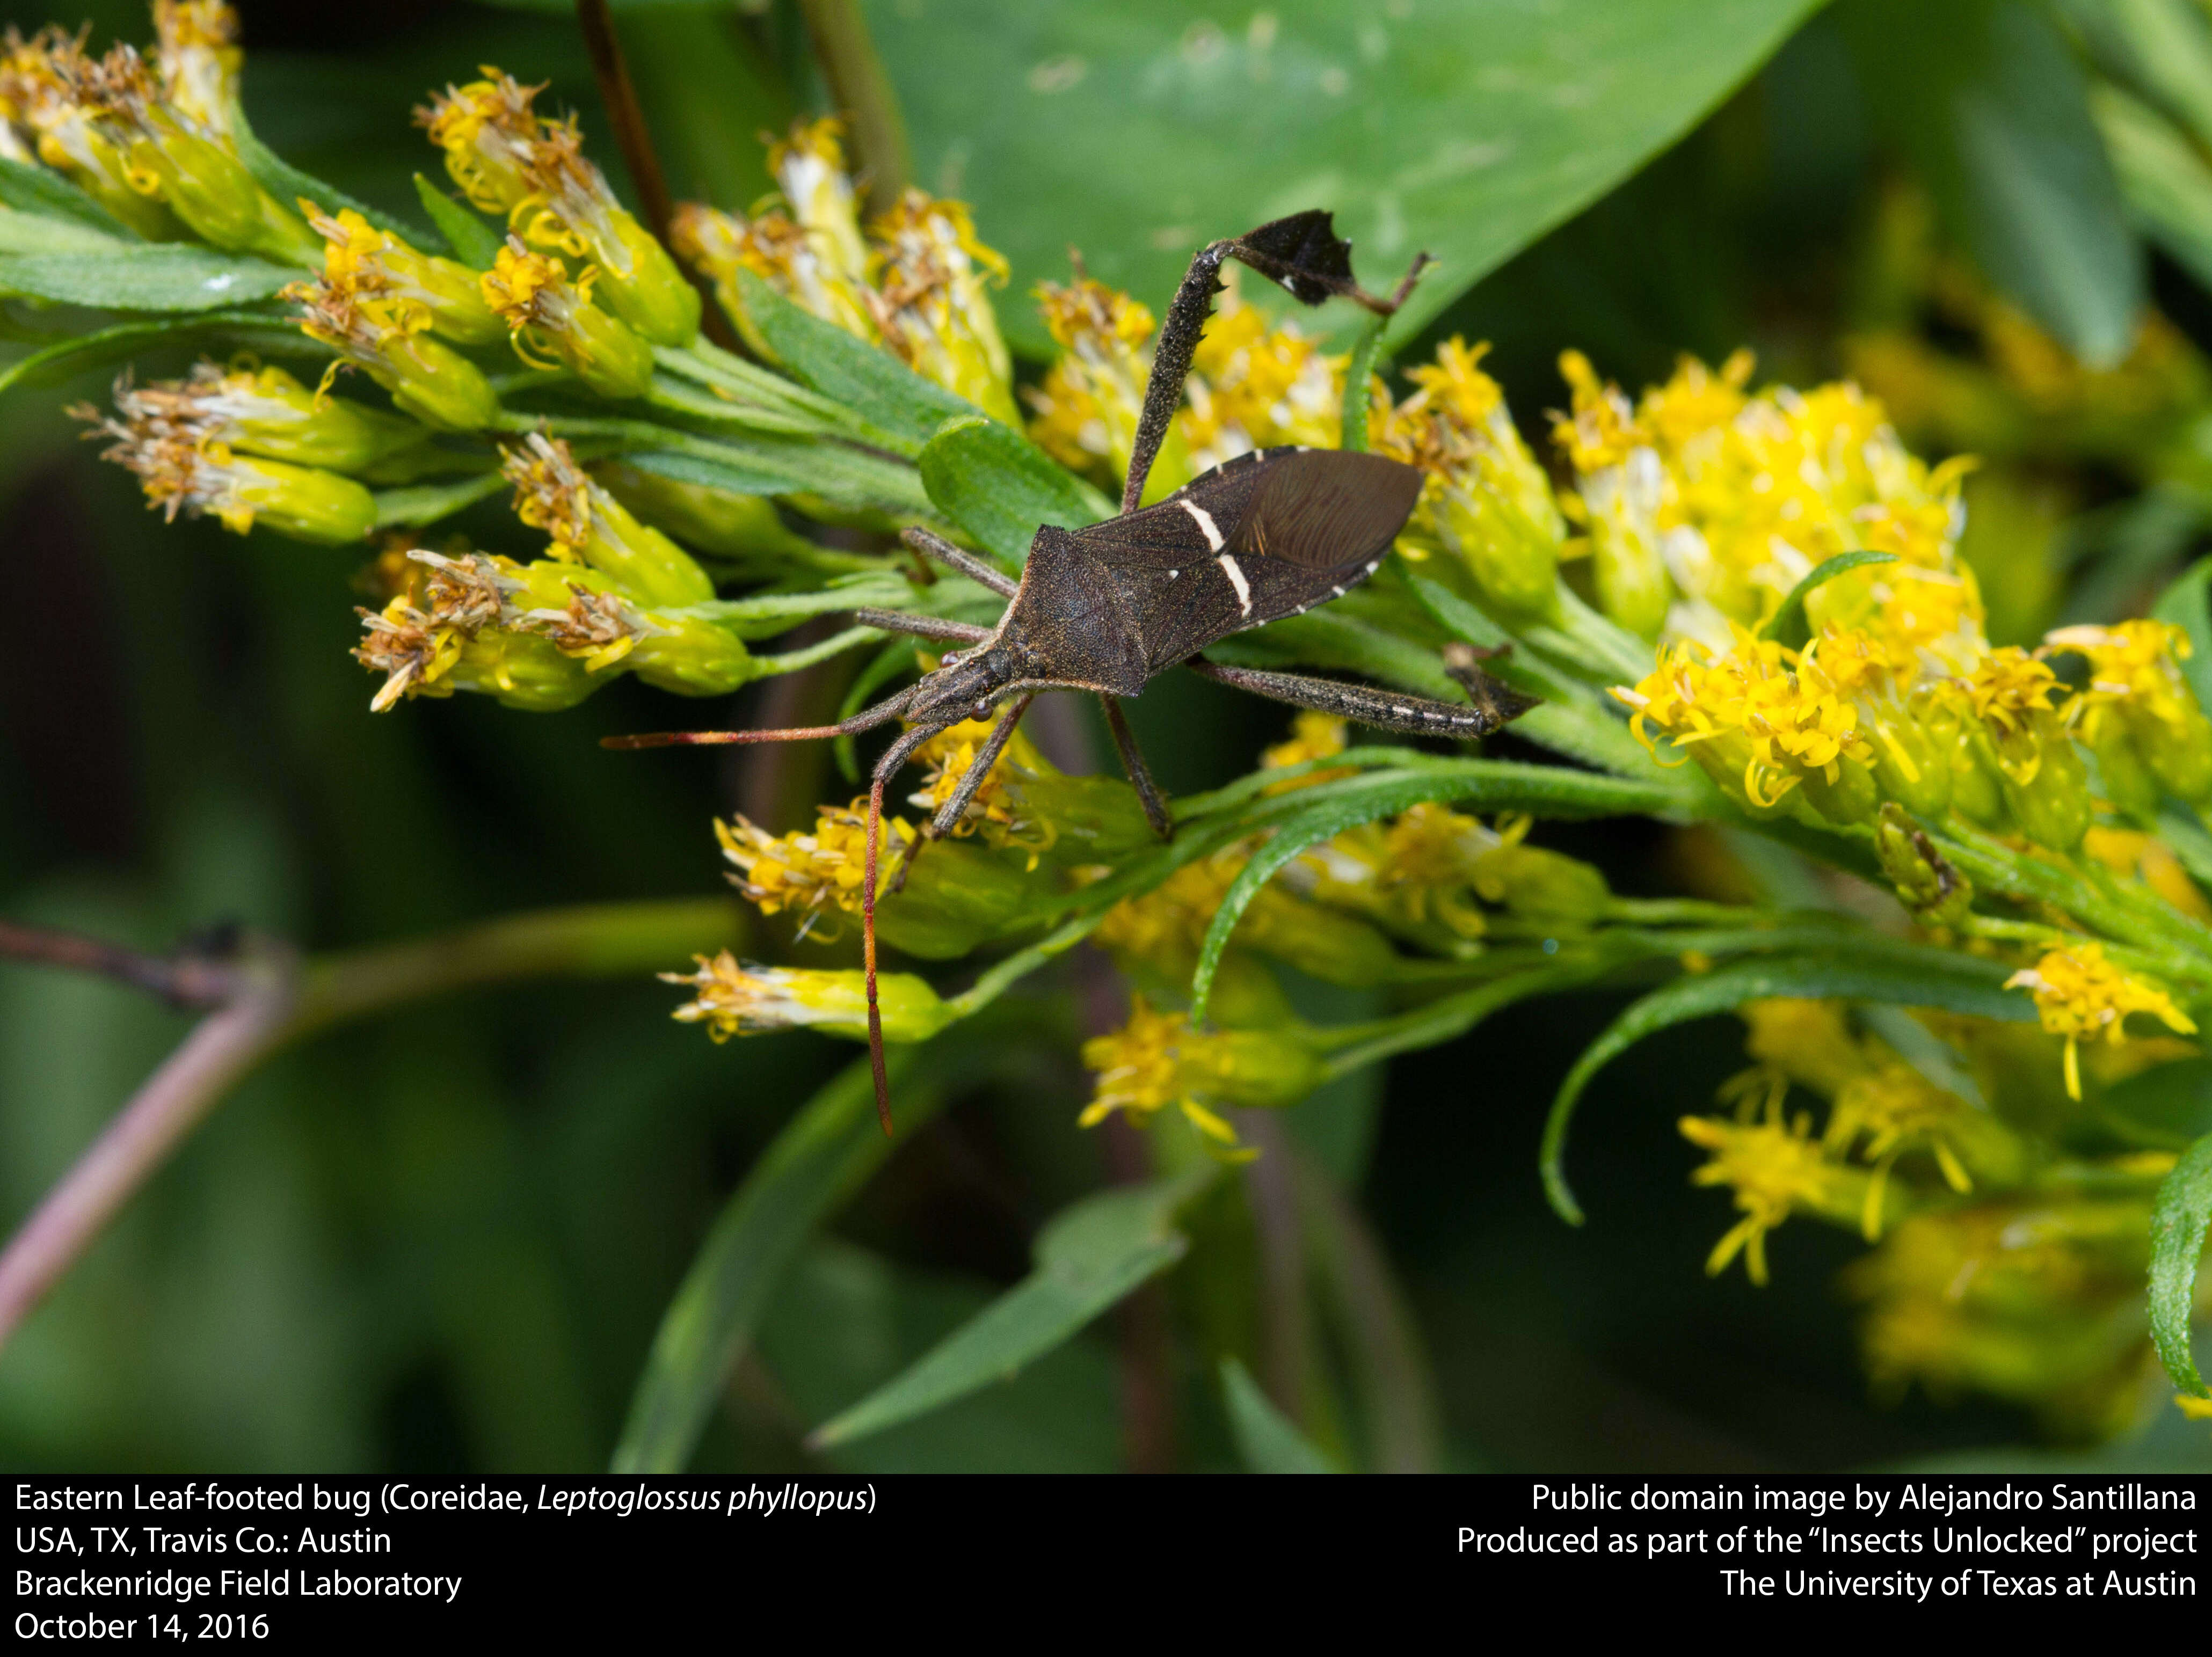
(1103, 609)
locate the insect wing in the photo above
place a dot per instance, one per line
(1269, 535)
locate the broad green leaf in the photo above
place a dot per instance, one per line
(823, 1155)
(729, 477)
(900, 407)
(1266, 1438)
(1087, 1257)
(2187, 604)
(1789, 628)
(143, 276)
(235, 330)
(2160, 49)
(1986, 99)
(31, 232)
(1140, 131)
(290, 186)
(36, 192)
(2164, 179)
(426, 503)
(471, 239)
(2177, 1245)
(1001, 487)
(2169, 1106)
(1864, 969)
(759, 462)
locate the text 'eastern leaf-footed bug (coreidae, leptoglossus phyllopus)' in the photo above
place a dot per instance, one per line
(1266, 535)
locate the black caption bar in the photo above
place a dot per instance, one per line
(273, 1561)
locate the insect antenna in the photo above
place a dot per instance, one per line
(886, 767)
(866, 719)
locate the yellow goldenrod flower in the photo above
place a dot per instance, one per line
(417, 639)
(384, 337)
(1253, 386)
(2022, 736)
(181, 471)
(2079, 993)
(554, 494)
(1486, 500)
(198, 58)
(265, 411)
(1807, 1042)
(2196, 1409)
(1312, 736)
(1156, 1059)
(719, 244)
(932, 303)
(2137, 710)
(555, 324)
(2134, 856)
(1775, 1167)
(1087, 407)
(738, 998)
(42, 88)
(508, 159)
(438, 293)
(191, 170)
(1623, 488)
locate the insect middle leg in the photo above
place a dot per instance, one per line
(966, 563)
(1140, 776)
(922, 627)
(1384, 710)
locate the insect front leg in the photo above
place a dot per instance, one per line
(963, 794)
(1140, 776)
(966, 563)
(922, 627)
(1384, 710)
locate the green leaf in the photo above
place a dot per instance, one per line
(903, 409)
(250, 329)
(1087, 1257)
(1140, 131)
(2188, 605)
(2163, 177)
(1266, 1439)
(1000, 488)
(1789, 628)
(472, 240)
(289, 185)
(1860, 969)
(822, 1156)
(143, 276)
(29, 233)
(1990, 105)
(2167, 1106)
(426, 503)
(1354, 415)
(37, 192)
(2176, 1244)
(2160, 49)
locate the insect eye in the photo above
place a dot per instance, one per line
(982, 710)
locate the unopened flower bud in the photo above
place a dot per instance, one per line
(554, 494)
(181, 471)
(444, 292)
(736, 997)
(265, 411)
(385, 339)
(1935, 893)
(555, 325)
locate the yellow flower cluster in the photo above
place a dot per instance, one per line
(1158, 1059)
(2079, 993)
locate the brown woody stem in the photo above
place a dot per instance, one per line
(863, 91)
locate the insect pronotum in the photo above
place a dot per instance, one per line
(1269, 534)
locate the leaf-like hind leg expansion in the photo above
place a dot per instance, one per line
(1304, 254)
(966, 563)
(1385, 710)
(1140, 776)
(964, 794)
(922, 627)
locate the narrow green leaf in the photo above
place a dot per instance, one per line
(472, 241)
(143, 276)
(2163, 177)
(1789, 628)
(38, 193)
(2177, 1245)
(743, 463)
(1265, 1436)
(29, 233)
(1989, 104)
(1864, 969)
(289, 185)
(255, 330)
(2162, 49)
(2187, 604)
(1354, 415)
(2167, 1106)
(821, 1157)
(1001, 487)
(426, 503)
(904, 408)
(1087, 1257)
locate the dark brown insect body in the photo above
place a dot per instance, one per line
(1106, 608)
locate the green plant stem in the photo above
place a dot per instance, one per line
(278, 1000)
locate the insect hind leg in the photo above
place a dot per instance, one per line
(1140, 776)
(1383, 710)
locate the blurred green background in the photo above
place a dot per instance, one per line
(440, 1241)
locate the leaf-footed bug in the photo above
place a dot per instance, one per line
(1269, 534)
